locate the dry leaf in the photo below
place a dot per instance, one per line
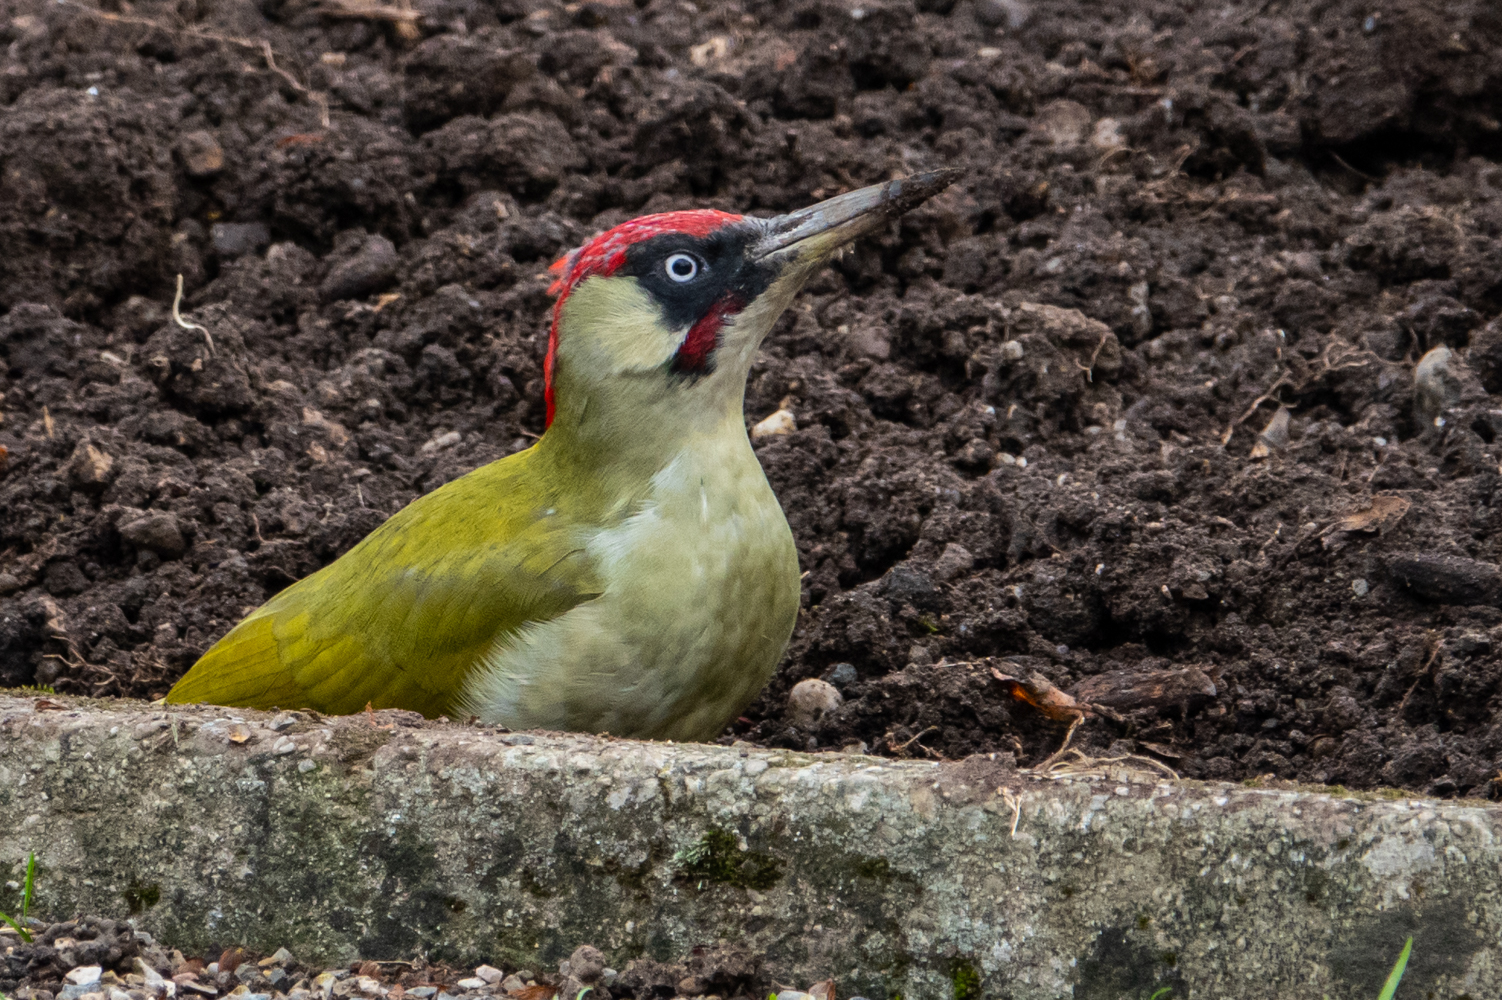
(822, 991)
(1384, 510)
(48, 705)
(1039, 692)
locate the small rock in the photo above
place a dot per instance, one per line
(281, 956)
(842, 675)
(372, 268)
(441, 442)
(1106, 135)
(954, 561)
(976, 455)
(1273, 436)
(780, 422)
(84, 975)
(586, 964)
(77, 992)
(422, 992)
(372, 988)
(324, 983)
(812, 699)
(1012, 350)
(472, 983)
(89, 468)
(996, 13)
(1062, 122)
(201, 153)
(512, 983)
(1439, 383)
(236, 239)
(158, 532)
(489, 973)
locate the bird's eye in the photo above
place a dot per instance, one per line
(682, 267)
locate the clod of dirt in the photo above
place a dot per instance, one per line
(155, 531)
(371, 265)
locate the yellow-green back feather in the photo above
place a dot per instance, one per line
(402, 618)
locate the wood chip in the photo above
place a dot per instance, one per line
(1130, 690)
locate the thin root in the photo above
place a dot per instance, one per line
(1068, 735)
(178, 317)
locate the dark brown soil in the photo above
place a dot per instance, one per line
(1181, 215)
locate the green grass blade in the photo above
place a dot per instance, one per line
(31, 879)
(1393, 977)
(25, 934)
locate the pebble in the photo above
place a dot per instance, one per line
(84, 975)
(201, 153)
(489, 973)
(422, 992)
(812, 699)
(842, 675)
(778, 423)
(158, 531)
(1437, 382)
(472, 983)
(236, 239)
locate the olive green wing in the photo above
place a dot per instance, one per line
(402, 618)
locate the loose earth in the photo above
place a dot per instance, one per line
(1137, 407)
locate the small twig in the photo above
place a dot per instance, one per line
(1089, 369)
(1014, 802)
(1434, 647)
(1365, 176)
(1265, 397)
(178, 317)
(1068, 735)
(898, 748)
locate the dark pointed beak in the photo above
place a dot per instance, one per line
(816, 232)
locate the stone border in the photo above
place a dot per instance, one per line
(387, 835)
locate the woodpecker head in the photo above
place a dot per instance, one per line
(661, 315)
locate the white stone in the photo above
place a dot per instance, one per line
(777, 424)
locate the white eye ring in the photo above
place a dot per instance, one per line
(682, 267)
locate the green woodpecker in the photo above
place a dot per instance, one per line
(630, 573)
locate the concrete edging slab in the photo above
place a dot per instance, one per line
(336, 838)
